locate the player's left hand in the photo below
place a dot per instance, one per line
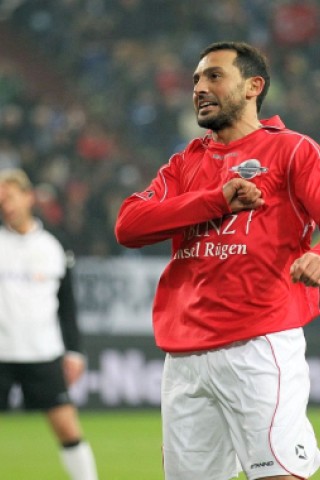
(73, 366)
(306, 269)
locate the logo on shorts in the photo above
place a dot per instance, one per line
(300, 452)
(146, 195)
(249, 169)
(262, 464)
(63, 398)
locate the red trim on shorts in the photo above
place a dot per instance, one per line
(275, 411)
(162, 457)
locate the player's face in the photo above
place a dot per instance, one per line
(16, 206)
(219, 93)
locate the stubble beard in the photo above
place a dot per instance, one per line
(228, 115)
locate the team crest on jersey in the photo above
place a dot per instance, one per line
(146, 195)
(249, 169)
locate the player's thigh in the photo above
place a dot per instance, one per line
(7, 379)
(196, 440)
(43, 385)
(266, 404)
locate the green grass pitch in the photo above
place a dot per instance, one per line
(127, 445)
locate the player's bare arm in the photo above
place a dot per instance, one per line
(306, 269)
(242, 195)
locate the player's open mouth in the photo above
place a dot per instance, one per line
(202, 106)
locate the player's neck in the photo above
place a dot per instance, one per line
(25, 226)
(237, 131)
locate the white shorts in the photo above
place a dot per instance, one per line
(246, 401)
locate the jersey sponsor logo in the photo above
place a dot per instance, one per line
(223, 157)
(210, 249)
(249, 169)
(202, 234)
(262, 464)
(22, 277)
(228, 225)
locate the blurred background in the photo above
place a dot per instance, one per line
(95, 95)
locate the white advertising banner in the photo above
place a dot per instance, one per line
(115, 295)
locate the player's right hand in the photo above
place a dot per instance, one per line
(242, 195)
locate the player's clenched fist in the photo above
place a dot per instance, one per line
(306, 269)
(242, 195)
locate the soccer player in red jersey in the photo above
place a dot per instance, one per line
(240, 206)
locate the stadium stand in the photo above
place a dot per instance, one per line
(96, 94)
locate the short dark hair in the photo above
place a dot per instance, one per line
(250, 61)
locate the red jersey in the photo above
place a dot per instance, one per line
(228, 278)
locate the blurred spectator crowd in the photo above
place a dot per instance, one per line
(120, 102)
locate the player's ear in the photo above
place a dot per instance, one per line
(254, 86)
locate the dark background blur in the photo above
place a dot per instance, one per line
(95, 95)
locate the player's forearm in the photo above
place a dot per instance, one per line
(146, 222)
(67, 314)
